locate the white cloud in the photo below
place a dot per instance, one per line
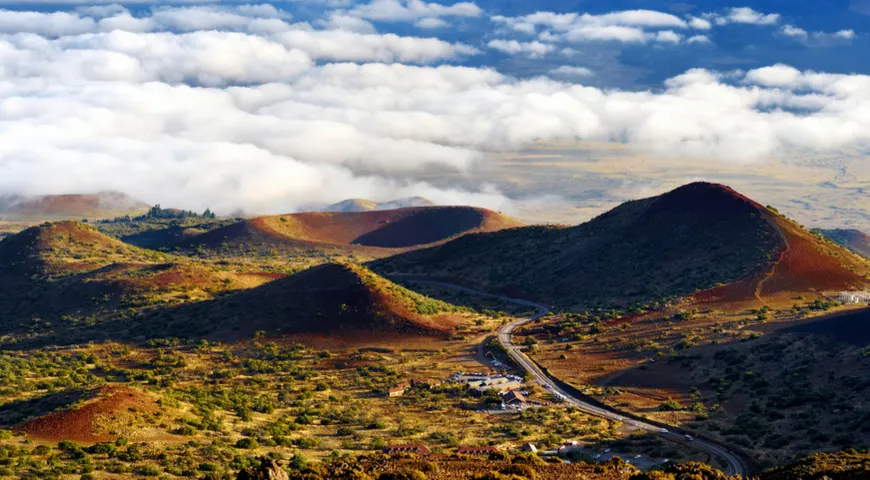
(744, 15)
(569, 72)
(668, 36)
(774, 76)
(513, 47)
(411, 10)
(792, 31)
(337, 21)
(269, 124)
(431, 23)
(564, 22)
(818, 38)
(631, 26)
(699, 23)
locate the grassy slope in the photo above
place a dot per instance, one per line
(783, 395)
(692, 238)
(335, 297)
(63, 277)
(855, 240)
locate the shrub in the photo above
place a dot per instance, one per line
(403, 475)
(247, 443)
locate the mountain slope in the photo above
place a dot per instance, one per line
(369, 233)
(330, 298)
(855, 240)
(363, 205)
(72, 206)
(690, 239)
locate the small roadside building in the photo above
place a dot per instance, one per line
(514, 398)
(398, 390)
(529, 447)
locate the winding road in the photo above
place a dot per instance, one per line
(736, 464)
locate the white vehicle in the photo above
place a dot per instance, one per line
(637, 456)
(606, 450)
(664, 430)
(689, 438)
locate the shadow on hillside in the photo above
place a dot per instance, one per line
(17, 411)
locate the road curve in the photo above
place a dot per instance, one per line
(736, 465)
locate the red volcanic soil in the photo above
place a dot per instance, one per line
(82, 423)
(806, 266)
(801, 263)
(402, 228)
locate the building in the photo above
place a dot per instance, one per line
(425, 382)
(477, 450)
(854, 297)
(500, 385)
(513, 398)
(398, 390)
(529, 447)
(421, 450)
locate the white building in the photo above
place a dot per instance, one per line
(854, 297)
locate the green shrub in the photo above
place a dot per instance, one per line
(247, 443)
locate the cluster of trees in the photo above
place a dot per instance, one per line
(158, 213)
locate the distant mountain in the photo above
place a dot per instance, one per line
(352, 205)
(362, 205)
(373, 233)
(69, 207)
(686, 241)
(855, 240)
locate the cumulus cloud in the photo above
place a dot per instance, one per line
(630, 26)
(411, 10)
(431, 22)
(338, 21)
(698, 39)
(818, 38)
(571, 72)
(513, 47)
(301, 114)
(744, 15)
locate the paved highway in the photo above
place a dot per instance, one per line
(736, 465)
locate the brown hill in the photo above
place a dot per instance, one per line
(685, 241)
(62, 246)
(104, 415)
(332, 298)
(855, 240)
(73, 206)
(369, 232)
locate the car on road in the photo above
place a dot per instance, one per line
(689, 438)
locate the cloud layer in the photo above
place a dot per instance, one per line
(245, 107)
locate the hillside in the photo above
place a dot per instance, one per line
(855, 240)
(688, 240)
(62, 247)
(102, 414)
(367, 233)
(333, 298)
(69, 207)
(58, 278)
